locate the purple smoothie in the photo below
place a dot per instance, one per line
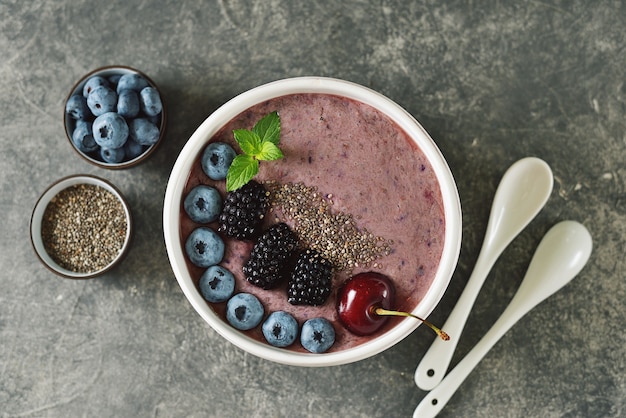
(371, 169)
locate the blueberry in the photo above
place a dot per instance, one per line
(112, 155)
(154, 119)
(203, 204)
(102, 100)
(280, 329)
(131, 82)
(128, 104)
(317, 335)
(132, 149)
(110, 130)
(92, 83)
(244, 311)
(143, 131)
(150, 101)
(204, 247)
(217, 284)
(82, 137)
(76, 107)
(216, 160)
(114, 79)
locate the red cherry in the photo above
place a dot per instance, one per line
(358, 299)
(364, 302)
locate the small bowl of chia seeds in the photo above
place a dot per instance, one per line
(114, 117)
(81, 227)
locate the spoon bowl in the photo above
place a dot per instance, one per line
(521, 194)
(560, 256)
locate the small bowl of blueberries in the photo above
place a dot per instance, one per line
(115, 117)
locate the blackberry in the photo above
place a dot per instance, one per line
(311, 279)
(244, 210)
(269, 261)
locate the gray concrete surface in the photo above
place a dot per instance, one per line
(491, 81)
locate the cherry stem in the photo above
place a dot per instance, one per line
(438, 331)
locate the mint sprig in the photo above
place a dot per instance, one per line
(258, 144)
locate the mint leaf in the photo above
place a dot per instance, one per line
(258, 144)
(269, 152)
(241, 171)
(249, 141)
(268, 128)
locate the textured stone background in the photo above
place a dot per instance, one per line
(491, 81)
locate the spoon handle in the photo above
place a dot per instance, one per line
(560, 256)
(434, 364)
(522, 192)
(437, 398)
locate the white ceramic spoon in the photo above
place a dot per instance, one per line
(522, 192)
(560, 256)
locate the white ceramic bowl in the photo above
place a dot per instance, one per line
(69, 123)
(40, 209)
(196, 144)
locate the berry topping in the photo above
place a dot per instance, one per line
(244, 210)
(244, 311)
(216, 160)
(204, 247)
(203, 204)
(217, 284)
(358, 298)
(280, 329)
(364, 302)
(269, 260)
(317, 335)
(311, 279)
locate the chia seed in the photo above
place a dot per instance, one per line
(84, 228)
(335, 235)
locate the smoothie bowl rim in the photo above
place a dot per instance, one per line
(325, 85)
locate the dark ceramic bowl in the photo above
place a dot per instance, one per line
(94, 156)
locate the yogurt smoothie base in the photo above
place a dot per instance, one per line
(364, 165)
